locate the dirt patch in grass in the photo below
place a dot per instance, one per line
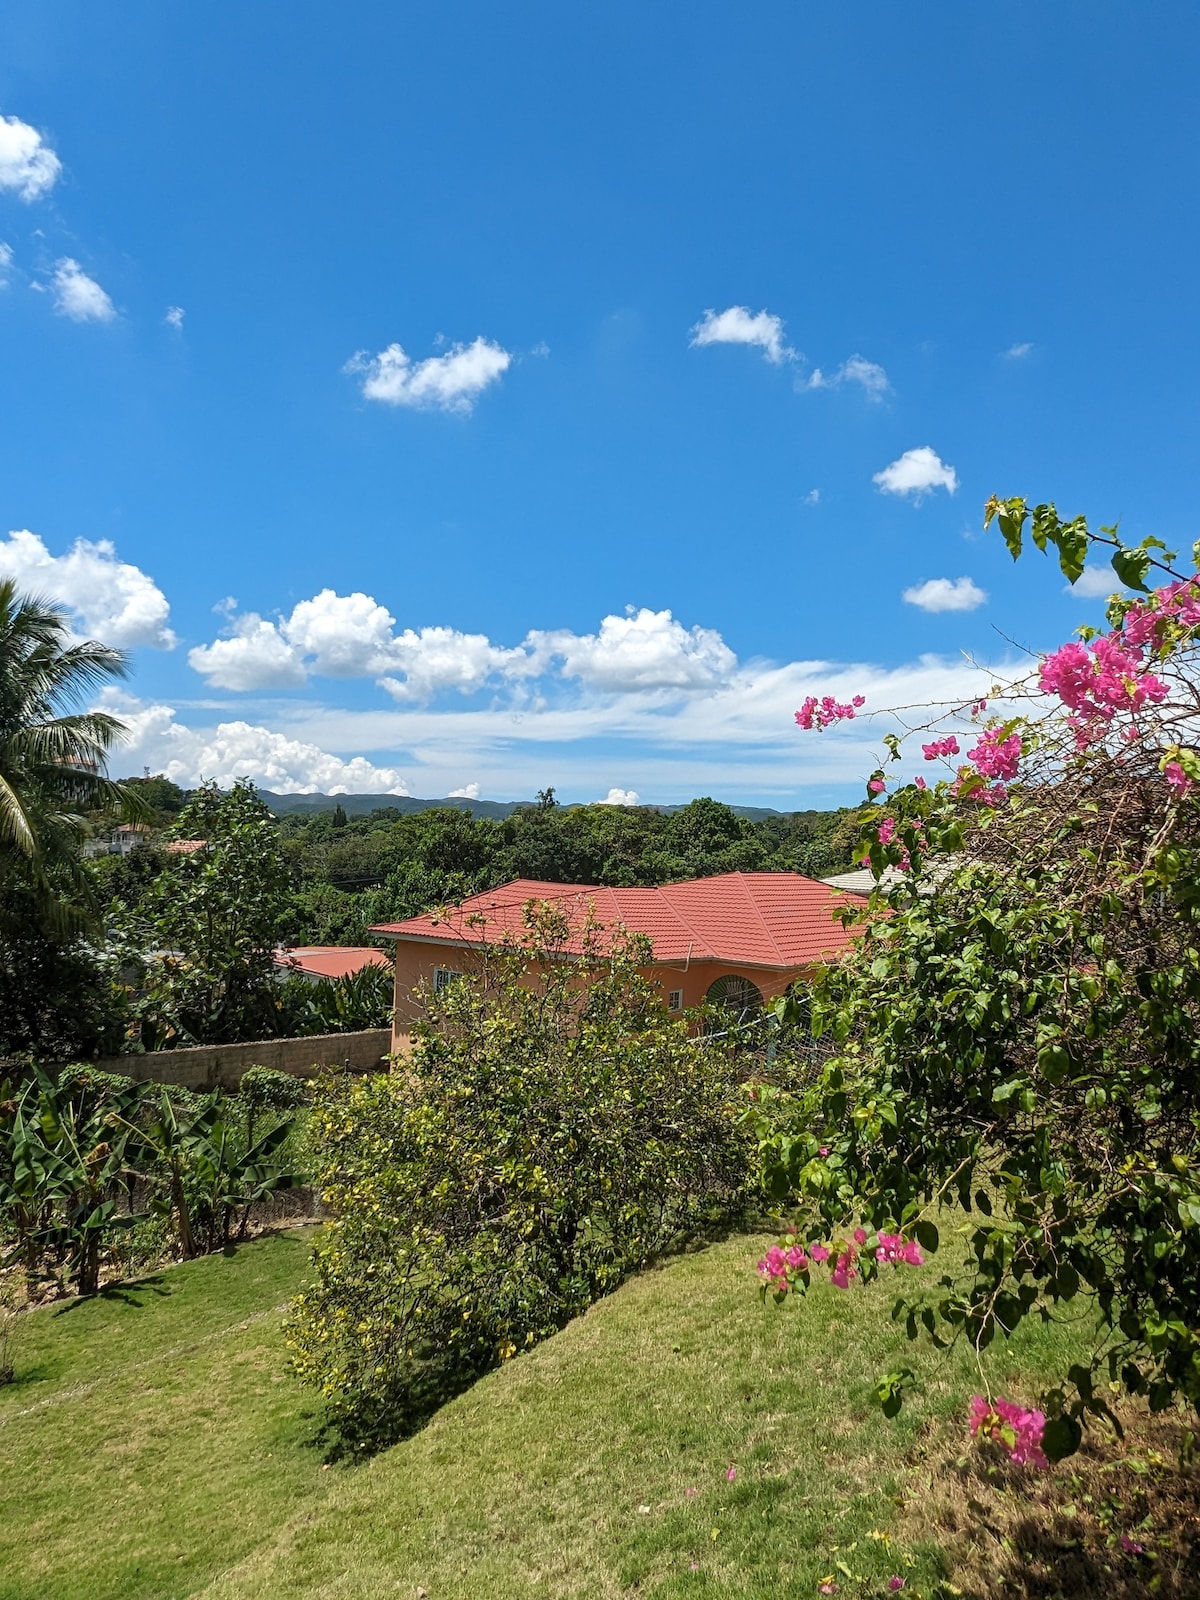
(1120, 1520)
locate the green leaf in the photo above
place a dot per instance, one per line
(927, 1236)
(1061, 1437)
(1054, 1062)
(1131, 566)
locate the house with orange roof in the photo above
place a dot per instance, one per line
(334, 961)
(737, 940)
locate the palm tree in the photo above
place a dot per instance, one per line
(53, 750)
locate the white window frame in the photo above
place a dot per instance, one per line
(674, 999)
(443, 977)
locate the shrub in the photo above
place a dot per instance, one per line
(1018, 1029)
(556, 1130)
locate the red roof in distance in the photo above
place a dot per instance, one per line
(760, 919)
(332, 960)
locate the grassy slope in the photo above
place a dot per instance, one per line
(168, 1455)
(141, 1444)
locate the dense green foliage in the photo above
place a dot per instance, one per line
(1018, 1031)
(387, 866)
(206, 929)
(54, 994)
(550, 1136)
(88, 1157)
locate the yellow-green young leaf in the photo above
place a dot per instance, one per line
(1054, 1062)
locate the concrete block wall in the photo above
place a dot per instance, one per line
(220, 1066)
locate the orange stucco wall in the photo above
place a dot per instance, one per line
(417, 958)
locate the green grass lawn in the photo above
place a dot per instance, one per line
(155, 1445)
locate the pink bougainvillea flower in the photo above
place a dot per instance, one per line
(995, 757)
(860, 1236)
(844, 1270)
(823, 713)
(731, 1475)
(691, 1493)
(1131, 1547)
(824, 1150)
(1177, 778)
(1017, 1428)
(876, 786)
(887, 831)
(920, 783)
(827, 1587)
(818, 1252)
(940, 747)
(895, 1583)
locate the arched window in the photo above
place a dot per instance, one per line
(740, 999)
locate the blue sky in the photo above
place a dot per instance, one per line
(438, 477)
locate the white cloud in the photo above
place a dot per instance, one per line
(945, 594)
(79, 297)
(917, 472)
(28, 166)
(813, 497)
(255, 656)
(6, 261)
(869, 375)
(113, 600)
(352, 636)
(621, 797)
(452, 382)
(1095, 583)
(1018, 352)
(469, 791)
(644, 650)
(739, 325)
(433, 659)
(174, 317)
(234, 750)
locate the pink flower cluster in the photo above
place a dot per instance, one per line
(1097, 681)
(1145, 621)
(777, 1267)
(822, 713)
(940, 747)
(994, 757)
(1019, 1430)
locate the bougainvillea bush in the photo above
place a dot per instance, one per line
(1018, 1030)
(555, 1130)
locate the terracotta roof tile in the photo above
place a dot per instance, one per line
(765, 919)
(332, 960)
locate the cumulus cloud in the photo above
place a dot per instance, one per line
(28, 166)
(917, 473)
(79, 297)
(233, 750)
(469, 791)
(1095, 583)
(621, 797)
(739, 325)
(254, 656)
(353, 636)
(643, 650)
(451, 382)
(1018, 352)
(869, 376)
(174, 317)
(945, 594)
(109, 599)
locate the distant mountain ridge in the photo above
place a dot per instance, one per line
(360, 805)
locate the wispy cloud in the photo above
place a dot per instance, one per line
(869, 375)
(946, 594)
(28, 166)
(740, 325)
(917, 473)
(174, 317)
(79, 297)
(1018, 352)
(450, 382)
